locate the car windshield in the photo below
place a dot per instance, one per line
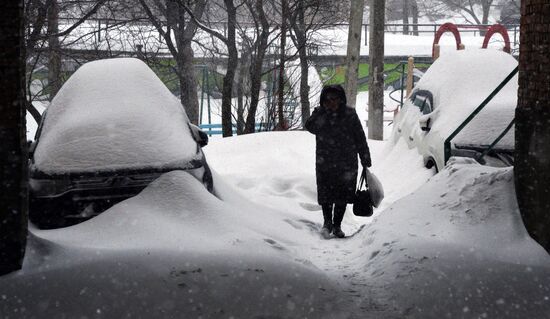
(114, 114)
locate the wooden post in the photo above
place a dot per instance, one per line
(437, 50)
(410, 77)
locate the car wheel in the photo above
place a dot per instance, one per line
(431, 164)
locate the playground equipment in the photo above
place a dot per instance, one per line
(451, 27)
(447, 27)
(498, 28)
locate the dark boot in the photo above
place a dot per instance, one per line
(327, 223)
(339, 211)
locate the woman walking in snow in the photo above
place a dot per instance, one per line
(339, 138)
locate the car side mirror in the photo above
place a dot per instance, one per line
(199, 135)
(424, 122)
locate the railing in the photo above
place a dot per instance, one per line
(216, 129)
(417, 29)
(447, 145)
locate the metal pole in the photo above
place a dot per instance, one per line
(366, 32)
(402, 84)
(208, 100)
(202, 94)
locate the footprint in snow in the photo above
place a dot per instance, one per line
(274, 244)
(310, 207)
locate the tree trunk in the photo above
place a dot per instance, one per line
(13, 152)
(282, 125)
(376, 77)
(256, 68)
(245, 60)
(240, 107)
(54, 49)
(255, 86)
(183, 34)
(353, 50)
(188, 81)
(232, 64)
(414, 13)
(486, 7)
(532, 162)
(304, 85)
(405, 16)
(301, 36)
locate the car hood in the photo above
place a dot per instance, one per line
(114, 114)
(486, 127)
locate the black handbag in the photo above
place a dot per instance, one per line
(362, 204)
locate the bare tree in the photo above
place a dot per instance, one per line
(300, 37)
(282, 125)
(43, 45)
(532, 163)
(414, 13)
(13, 170)
(54, 48)
(405, 16)
(258, 50)
(353, 50)
(178, 32)
(468, 10)
(307, 18)
(230, 41)
(509, 11)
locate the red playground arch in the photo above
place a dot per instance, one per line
(447, 27)
(497, 28)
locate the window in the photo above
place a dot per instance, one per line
(423, 100)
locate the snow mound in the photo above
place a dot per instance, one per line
(111, 114)
(460, 240)
(174, 250)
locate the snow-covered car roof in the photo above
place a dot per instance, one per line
(459, 81)
(114, 114)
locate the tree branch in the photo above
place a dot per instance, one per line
(201, 25)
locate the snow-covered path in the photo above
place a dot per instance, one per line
(277, 170)
(448, 246)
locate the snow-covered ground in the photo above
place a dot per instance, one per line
(445, 246)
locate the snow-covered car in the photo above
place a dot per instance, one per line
(450, 90)
(112, 129)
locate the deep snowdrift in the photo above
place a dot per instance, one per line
(455, 247)
(174, 250)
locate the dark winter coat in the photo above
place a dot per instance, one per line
(339, 139)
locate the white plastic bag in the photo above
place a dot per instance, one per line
(376, 190)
